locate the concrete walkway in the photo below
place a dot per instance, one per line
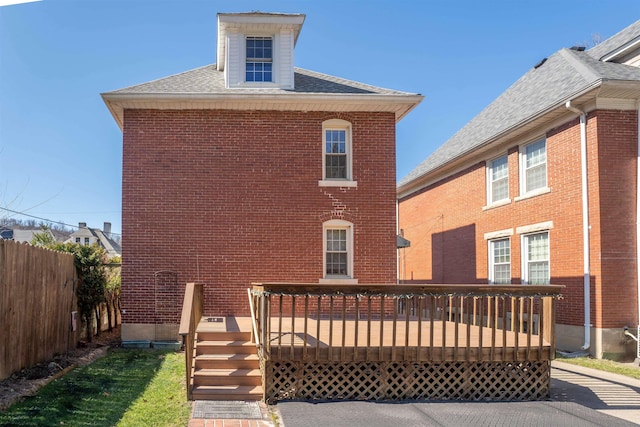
(579, 397)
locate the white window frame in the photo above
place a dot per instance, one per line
(341, 125)
(338, 224)
(524, 245)
(492, 264)
(272, 62)
(489, 166)
(523, 171)
(242, 62)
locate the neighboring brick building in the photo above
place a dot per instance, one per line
(252, 170)
(502, 200)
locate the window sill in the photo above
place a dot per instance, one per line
(496, 204)
(337, 183)
(533, 193)
(336, 281)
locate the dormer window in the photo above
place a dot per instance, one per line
(259, 59)
(255, 50)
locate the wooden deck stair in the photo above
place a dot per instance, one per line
(226, 367)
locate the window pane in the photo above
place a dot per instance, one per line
(499, 168)
(502, 275)
(536, 165)
(537, 247)
(259, 60)
(336, 166)
(336, 252)
(499, 177)
(539, 273)
(500, 190)
(500, 258)
(536, 177)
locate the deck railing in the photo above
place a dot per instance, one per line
(192, 307)
(404, 322)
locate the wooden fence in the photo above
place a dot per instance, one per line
(37, 297)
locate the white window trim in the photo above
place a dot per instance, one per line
(501, 202)
(338, 124)
(522, 171)
(491, 268)
(523, 251)
(330, 279)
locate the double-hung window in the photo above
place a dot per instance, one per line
(259, 59)
(500, 261)
(534, 167)
(336, 154)
(498, 180)
(535, 253)
(338, 251)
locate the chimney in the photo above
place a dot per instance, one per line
(107, 229)
(82, 225)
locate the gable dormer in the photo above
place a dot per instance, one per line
(255, 49)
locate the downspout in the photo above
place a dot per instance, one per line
(585, 225)
(397, 249)
(638, 213)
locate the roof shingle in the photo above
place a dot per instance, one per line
(563, 75)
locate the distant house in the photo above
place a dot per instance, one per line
(22, 235)
(252, 170)
(103, 238)
(27, 235)
(542, 187)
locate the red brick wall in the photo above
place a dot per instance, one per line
(616, 291)
(227, 198)
(452, 208)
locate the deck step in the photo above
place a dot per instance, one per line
(208, 392)
(225, 347)
(227, 361)
(223, 336)
(227, 377)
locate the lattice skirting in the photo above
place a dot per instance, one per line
(495, 381)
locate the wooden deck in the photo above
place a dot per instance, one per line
(374, 342)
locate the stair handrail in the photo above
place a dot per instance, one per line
(192, 307)
(255, 337)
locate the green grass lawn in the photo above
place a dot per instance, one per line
(125, 388)
(604, 365)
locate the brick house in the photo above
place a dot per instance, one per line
(252, 170)
(542, 187)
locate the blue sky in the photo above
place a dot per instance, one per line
(61, 151)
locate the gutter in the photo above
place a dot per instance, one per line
(415, 184)
(585, 225)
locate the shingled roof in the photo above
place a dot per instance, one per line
(204, 87)
(565, 75)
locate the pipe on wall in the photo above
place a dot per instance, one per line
(585, 224)
(638, 217)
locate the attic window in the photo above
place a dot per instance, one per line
(259, 59)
